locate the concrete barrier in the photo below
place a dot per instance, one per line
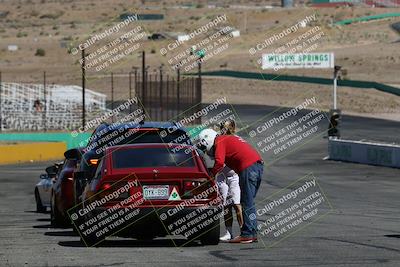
(25, 152)
(364, 152)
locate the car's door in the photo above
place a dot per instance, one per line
(44, 189)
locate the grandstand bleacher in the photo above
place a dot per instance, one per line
(31, 107)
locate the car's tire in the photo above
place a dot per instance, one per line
(77, 192)
(211, 236)
(56, 218)
(39, 206)
(77, 207)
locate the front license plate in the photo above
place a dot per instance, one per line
(156, 191)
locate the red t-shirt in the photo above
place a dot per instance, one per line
(235, 152)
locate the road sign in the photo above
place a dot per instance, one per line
(297, 61)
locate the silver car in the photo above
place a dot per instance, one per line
(43, 188)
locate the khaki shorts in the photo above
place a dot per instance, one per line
(228, 186)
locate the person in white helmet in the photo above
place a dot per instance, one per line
(228, 186)
(237, 154)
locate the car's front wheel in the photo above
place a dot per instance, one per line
(39, 205)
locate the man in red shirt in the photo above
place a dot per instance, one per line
(238, 155)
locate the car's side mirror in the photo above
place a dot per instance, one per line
(44, 176)
(58, 165)
(73, 153)
(52, 170)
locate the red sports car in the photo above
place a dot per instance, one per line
(149, 190)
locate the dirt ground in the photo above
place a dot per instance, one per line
(352, 101)
(366, 51)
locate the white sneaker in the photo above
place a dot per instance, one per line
(226, 237)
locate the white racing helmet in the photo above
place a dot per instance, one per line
(207, 137)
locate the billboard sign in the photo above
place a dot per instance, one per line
(298, 61)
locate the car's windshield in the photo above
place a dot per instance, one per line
(151, 157)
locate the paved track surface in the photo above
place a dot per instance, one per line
(363, 228)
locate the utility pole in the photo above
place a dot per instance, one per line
(130, 91)
(199, 70)
(161, 88)
(201, 54)
(143, 80)
(1, 114)
(245, 22)
(178, 88)
(83, 89)
(44, 117)
(136, 82)
(112, 95)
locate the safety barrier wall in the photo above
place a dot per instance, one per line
(371, 3)
(367, 18)
(25, 152)
(364, 152)
(304, 79)
(70, 140)
(66, 137)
